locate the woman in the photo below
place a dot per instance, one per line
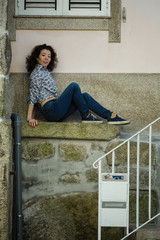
(55, 108)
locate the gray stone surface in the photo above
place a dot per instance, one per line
(8, 96)
(54, 176)
(65, 217)
(44, 219)
(69, 169)
(5, 133)
(69, 130)
(5, 181)
(131, 96)
(70, 178)
(72, 162)
(92, 175)
(128, 95)
(11, 25)
(1, 95)
(5, 55)
(115, 22)
(148, 233)
(61, 23)
(33, 151)
(72, 152)
(5, 51)
(76, 212)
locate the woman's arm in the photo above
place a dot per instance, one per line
(30, 117)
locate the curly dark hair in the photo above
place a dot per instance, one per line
(31, 60)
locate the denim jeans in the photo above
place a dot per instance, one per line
(71, 100)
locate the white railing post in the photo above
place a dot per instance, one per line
(99, 199)
(128, 176)
(137, 199)
(113, 162)
(97, 164)
(150, 169)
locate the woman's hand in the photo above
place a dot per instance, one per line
(33, 122)
(30, 117)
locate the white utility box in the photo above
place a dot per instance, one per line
(113, 200)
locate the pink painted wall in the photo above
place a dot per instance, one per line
(90, 52)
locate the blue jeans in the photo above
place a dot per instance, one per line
(71, 100)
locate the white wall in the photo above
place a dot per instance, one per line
(89, 51)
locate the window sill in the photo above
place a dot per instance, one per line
(61, 17)
(62, 23)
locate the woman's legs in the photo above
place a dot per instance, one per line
(93, 105)
(68, 102)
(97, 108)
(71, 100)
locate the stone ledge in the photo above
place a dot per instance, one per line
(71, 131)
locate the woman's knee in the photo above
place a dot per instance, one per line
(86, 96)
(74, 84)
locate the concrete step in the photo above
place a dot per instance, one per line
(148, 233)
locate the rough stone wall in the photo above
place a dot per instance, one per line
(71, 217)
(5, 182)
(58, 178)
(60, 160)
(57, 166)
(5, 132)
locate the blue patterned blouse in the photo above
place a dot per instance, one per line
(42, 86)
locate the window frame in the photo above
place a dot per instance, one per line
(62, 10)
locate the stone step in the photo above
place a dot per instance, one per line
(148, 233)
(68, 130)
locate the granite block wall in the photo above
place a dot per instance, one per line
(58, 178)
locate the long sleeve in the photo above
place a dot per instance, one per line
(33, 92)
(42, 85)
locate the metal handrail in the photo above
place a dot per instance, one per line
(135, 230)
(97, 164)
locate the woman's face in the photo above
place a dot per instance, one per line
(44, 57)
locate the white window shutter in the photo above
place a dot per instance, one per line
(38, 7)
(63, 7)
(86, 7)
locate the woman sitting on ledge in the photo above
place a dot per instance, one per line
(55, 108)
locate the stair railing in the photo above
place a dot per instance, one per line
(144, 224)
(97, 164)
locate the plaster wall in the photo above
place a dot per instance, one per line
(90, 51)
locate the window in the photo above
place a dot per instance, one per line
(63, 7)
